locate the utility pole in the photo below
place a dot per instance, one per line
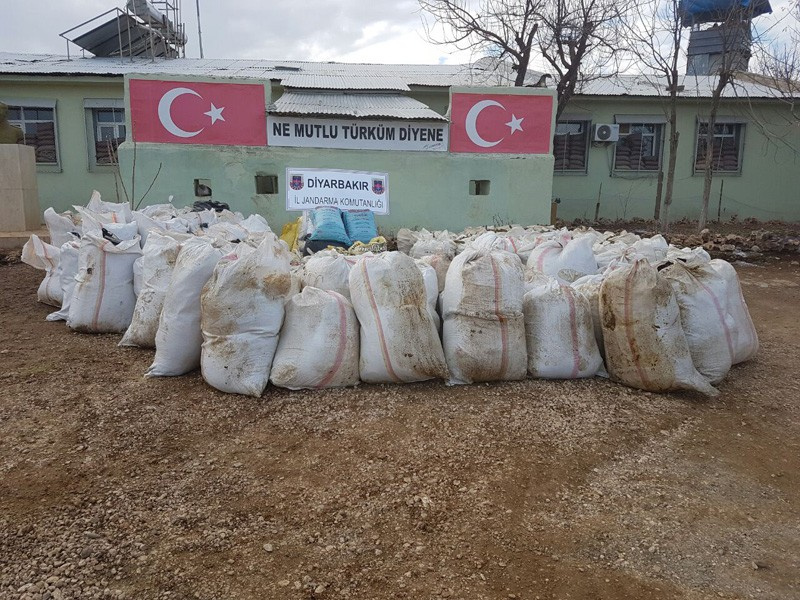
(199, 30)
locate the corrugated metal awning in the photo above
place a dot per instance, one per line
(394, 106)
(359, 81)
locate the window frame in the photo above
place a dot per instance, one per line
(38, 104)
(91, 107)
(659, 124)
(741, 126)
(587, 122)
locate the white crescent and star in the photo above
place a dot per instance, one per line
(165, 112)
(470, 123)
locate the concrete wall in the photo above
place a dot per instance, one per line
(73, 180)
(767, 188)
(428, 189)
(437, 194)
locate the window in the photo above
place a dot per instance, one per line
(38, 124)
(266, 184)
(109, 132)
(639, 147)
(571, 146)
(479, 187)
(726, 154)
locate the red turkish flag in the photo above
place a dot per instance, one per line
(181, 112)
(509, 123)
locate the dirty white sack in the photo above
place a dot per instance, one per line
(45, 257)
(484, 329)
(242, 313)
(399, 342)
(158, 260)
(559, 333)
(319, 342)
(645, 344)
(179, 337)
(103, 299)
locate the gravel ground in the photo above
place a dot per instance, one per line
(113, 486)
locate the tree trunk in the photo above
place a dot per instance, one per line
(674, 138)
(708, 171)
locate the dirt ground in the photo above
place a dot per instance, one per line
(116, 486)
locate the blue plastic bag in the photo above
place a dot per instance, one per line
(360, 225)
(328, 225)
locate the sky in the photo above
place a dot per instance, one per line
(379, 31)
(382, 31)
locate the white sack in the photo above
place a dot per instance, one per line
(489, 240)
(45, 257)
(61, 228)
(431, 291)
(179, 337)
(484, 330)
(645, 344)
(157, 262)
(440, 264)
(438, 242)
(700, 292)
(68, 268)
(559, 333)
(406, 240)
(121, 211)
(745, 338)
(399, 342)
(319, 342)
(589, 288)
(328, 270)
(242, 314)
(137, 276)
(145, 224)
(564, 262)
(103, 298)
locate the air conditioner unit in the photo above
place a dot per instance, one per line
(606, 132)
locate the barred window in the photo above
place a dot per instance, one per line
(726, 155)
(639, 147)
(571, 146)
(38, 126)
(109, 133)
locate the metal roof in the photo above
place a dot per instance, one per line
(317, 81)
(694, 86)
(359, 104)
(329, 75)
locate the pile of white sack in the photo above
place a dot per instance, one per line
(219, 292)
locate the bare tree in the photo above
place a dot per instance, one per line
(504, 29)
(735, 38)
(573, 37)
(580, 40)
(653, 34)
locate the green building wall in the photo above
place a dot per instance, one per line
(432, 189)
(426, 189)
(72, 181)
(768, 187)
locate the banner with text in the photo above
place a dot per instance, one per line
(307, 189)
(357, 135)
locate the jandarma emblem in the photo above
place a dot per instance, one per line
(296, 183)
(377, 186)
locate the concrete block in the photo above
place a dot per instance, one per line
(19, 196)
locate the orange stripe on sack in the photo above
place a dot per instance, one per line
(573, 325)
(337, 363)
(501, 318)
(545, 252)
(629, 333)
(99, 302)
(387, 361)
